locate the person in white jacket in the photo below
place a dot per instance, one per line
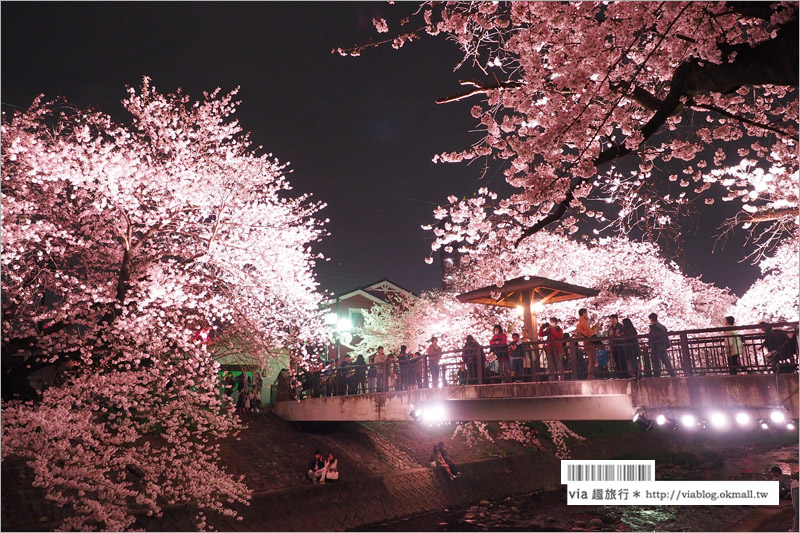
(331, 472)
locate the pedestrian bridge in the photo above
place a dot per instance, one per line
(609, 399)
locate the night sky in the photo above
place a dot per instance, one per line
(359, 133)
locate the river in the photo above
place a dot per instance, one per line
(548, 511)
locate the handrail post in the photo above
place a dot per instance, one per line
(425, 371)
(480, 366)
(535, 355)
(573, 356)
(686, 356)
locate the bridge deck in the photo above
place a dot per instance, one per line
(614, 399)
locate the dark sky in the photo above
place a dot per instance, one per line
(359, 133)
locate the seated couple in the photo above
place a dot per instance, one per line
(440, 458)
(321, 471)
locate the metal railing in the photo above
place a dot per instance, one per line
(681, 353)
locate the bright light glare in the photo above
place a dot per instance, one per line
(789, 426)
(636, 416)
(661, 420)
(742, 418)
(538, 307)
(520, 310)
(777, 416)
(688, 420)
(331, 319)
(764, 425)
(718, 419)
(344, 325)
(434, 414)
(418, 413)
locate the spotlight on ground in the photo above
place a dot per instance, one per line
(790, 426)
(688, 421)
(644, 423)
(661, 420)
(415, 414)
(763, 424)
(777, 416)
(718, 420)
(742, 418)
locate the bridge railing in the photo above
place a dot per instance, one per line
(681, 353)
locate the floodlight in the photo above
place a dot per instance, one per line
(718, 419)
(777, 416)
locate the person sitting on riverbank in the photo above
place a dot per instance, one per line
(784, 483)
(316, 468)
(438, 461)
(331, 469)
(456, 472)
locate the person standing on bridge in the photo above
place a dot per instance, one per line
(587, 331)
(659, 342)
(617, 352)
(381, 364)
(471, 356)
(631, 347)
(434, 355)
(499, 347)
(733, 342)
(551, 331)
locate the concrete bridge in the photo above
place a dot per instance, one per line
(610, 399)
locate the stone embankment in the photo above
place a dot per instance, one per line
(384, 476)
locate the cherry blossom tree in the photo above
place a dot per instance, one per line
(774, 296)
(628, 113)
(121, 243)
(414, 320)
(634, 280)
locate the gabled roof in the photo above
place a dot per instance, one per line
(510, 294)
(374, 291)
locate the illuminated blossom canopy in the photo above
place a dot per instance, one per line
(625, 114)
(634, 280)
(774, 296)
(120, 244)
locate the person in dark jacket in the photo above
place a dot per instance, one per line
(617, 352)
(403, 360)
(447, 459)
(472, 354)
(316, 468)
(631, 347)
(779, 346)
(659, 342)
(361, 374)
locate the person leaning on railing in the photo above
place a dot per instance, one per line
(778, 344)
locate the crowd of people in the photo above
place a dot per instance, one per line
(243, 390)
(612, 349)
